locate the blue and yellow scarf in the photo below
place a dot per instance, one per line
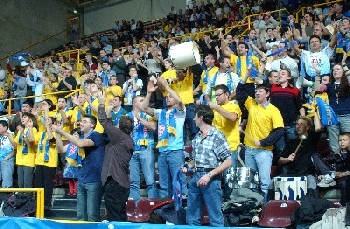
(140, 133)
(21, 141)
(166, 126)
(47, 147)
(116, 116)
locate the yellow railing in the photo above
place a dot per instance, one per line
(77, 52)
(9, 106)
(39, 198)
(33, 44)
(302, 9)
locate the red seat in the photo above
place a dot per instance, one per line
(143, 210)
(205, 216)
(130, 208)
(277, 213)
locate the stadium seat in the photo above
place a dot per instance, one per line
(277, 213)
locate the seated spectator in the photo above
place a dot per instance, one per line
(296, 156)
(342, 167)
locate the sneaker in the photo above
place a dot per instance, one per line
(326, 182)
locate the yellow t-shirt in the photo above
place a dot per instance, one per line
(226, 126)
(109, 94)
(47, 89)
(185, 89)
(98, 127)
(29, 158)
(234, 60)
(169, 74)
(210, 73)
(67, 126)
(41, 121)
(74, 118)
(53, 156)
(261, 122)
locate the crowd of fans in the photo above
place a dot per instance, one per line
(284, 83)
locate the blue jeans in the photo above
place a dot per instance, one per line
(334, 131)
(192, 128)
(168, 163)
(227, 189)
(145, 160)
(6, 172)
(210, 195)
(89, 201)
(261, 161)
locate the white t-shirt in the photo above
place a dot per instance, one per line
(129, 92)
(320, 59)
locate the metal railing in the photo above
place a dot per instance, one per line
(302, 9)
(9, 106)
(39, 198)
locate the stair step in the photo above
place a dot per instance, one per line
(69, 203)
(61, 213)
(67, 214)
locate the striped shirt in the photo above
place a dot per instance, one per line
(210, 150)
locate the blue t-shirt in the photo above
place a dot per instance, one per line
(92, 164)
(5, 147)
(175, 142)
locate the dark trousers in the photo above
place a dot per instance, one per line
(344, 184)
(44, 178)
(116, 197)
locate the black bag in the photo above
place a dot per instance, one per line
(18, 205)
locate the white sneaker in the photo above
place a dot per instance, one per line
(326, 182)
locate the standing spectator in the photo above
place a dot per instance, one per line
(25, 155)
(343, 40)
(287, 99)
(2, 77)
(222, 76)
(115, 170)
(207, 74)
(264, 128)
(170, 136)
(131, 88)
(118, 65)
(7, 162)
(68, 83)
(339, 99)
(89, 175)
(35, 79)
(46, 159)
(143, 155)
(286, 60)
(183, 86)
(20, 89)
(226, 119)
(90, 62)
(212, 156)
(316, 58)
(91, 103)
(73, 156)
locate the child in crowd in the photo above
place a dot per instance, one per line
(6, 156)
(74, 157)
(342, 167)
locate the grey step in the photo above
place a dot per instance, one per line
(66, 214)
(60, 213)
(69, 203)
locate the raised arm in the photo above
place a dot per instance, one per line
(151, 87)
